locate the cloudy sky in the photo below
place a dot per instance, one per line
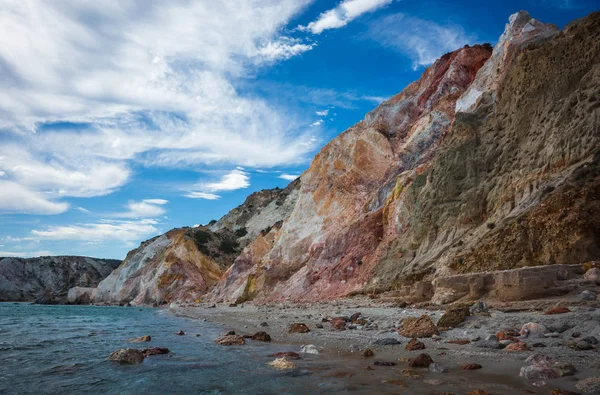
(122, 119)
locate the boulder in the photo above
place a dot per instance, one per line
(180, 333)
(261, 336)
(518, 346)
(543, 367)
(230, 340)
(478, 308)
(309, 349)
(140, 339)
(592, 275)
(532, 329)
(127, 356)
(298, 328)
(453, 316)
(414, 345)
(421, 361)
(155, 351)
(339, 323)
(282, 364)
(437, 368)
(422, 326)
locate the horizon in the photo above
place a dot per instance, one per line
(124, 121)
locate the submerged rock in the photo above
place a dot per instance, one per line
(261, 336)
(282, 364)
(368, 352)
(471, 366)
(421, 361)
(309, 349)
(127, 356)
(230, 340)
(140, 339)
(155, 351)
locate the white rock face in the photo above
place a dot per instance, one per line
(521, 30)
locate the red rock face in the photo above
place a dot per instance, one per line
(329, 245)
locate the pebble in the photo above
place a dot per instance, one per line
(552, 334)
(388, 341)
(587, 295)
(309, 349)
(437, 368)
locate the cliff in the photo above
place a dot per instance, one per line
(489, 161)
(47, 279)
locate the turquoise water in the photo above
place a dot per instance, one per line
(64, 349)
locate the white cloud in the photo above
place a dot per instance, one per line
(147, 208)
(323, 113)
(16, 198)
(196, 226)
(235, 179)
(421, 40)
(289, 177)
(83, 210)
(202, 195)
(2, 173)
(150, 84)
(344, 13)
(25, 254)
(316, 123)
(123, 231)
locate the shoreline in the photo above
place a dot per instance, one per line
(500, 368)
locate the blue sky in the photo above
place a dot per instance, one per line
(120, 120)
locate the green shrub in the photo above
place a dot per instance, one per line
(228, 246)
(241, 232)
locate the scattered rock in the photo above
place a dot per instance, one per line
(411, 374)
(460, 342)
(155, 351)
(478, 392)
(355, 317)
(590, 385)
(592, 275)
(478, 308)
(453, 317)
(591, 340)
(338, 323)
(388, 341)
(532, 329)
(557, 310)
(286, 354)
(140, 339)
(518, 346)
(228, 333)
(261, 336)
(127, 356)
(299, 328)
(368, 352)
(470, 366)
(230, 340)
(384, 363)
(433, 382)
(587, 295)
(581, 345)
(543, 367)
(421, 361)
(563, 392)
(264, 324)
(418, 327)
(437, 368)
(309, 349)
(320, 326)
(502, 335)
(282, 364)
(538, 345)
(491, 343)
(414, 345)
(180, 333)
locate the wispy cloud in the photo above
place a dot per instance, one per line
(289, 177)
(421, 40)
(146, 208)
(316, 123)
(16, 198)
(234, 180)
(107, 230)
(21, 254)
(343, 14)
(322, 113)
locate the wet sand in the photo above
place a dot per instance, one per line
(341, 351)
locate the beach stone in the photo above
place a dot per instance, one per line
(453, 316)
(506, 342)
(411, 374)
(478, 308)
(538, 345)
(470, 366)
(230, 340)
(388, 341)
(309, 349)
(544, 367)
(286, 354)
(368, 352)
(338, 323)
(518, 346)
(460, 342)
(587, 295)
(264, 324)
(592, 275)
(557, 310)
(384, 363)
(475, 338)
(355, 317)
(591, 340)
(282, 364)
(261, 336)
(421, 361)
(540, 383)
(532, 329)
(299, 328)
(589, 386)
(320, 326)
(437, 368)
(492, 344)
(502, 335)
(414, 345)
(581, 345)
(140, 339)
(418, 327)
(478, 392)
(155, 351)
(491, 337)
(127, 356)
(552, 335)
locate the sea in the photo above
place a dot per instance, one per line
(56, 349)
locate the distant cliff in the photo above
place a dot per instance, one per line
(48, 279)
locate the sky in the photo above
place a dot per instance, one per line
(122, 119)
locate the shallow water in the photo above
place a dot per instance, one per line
(64, 350)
